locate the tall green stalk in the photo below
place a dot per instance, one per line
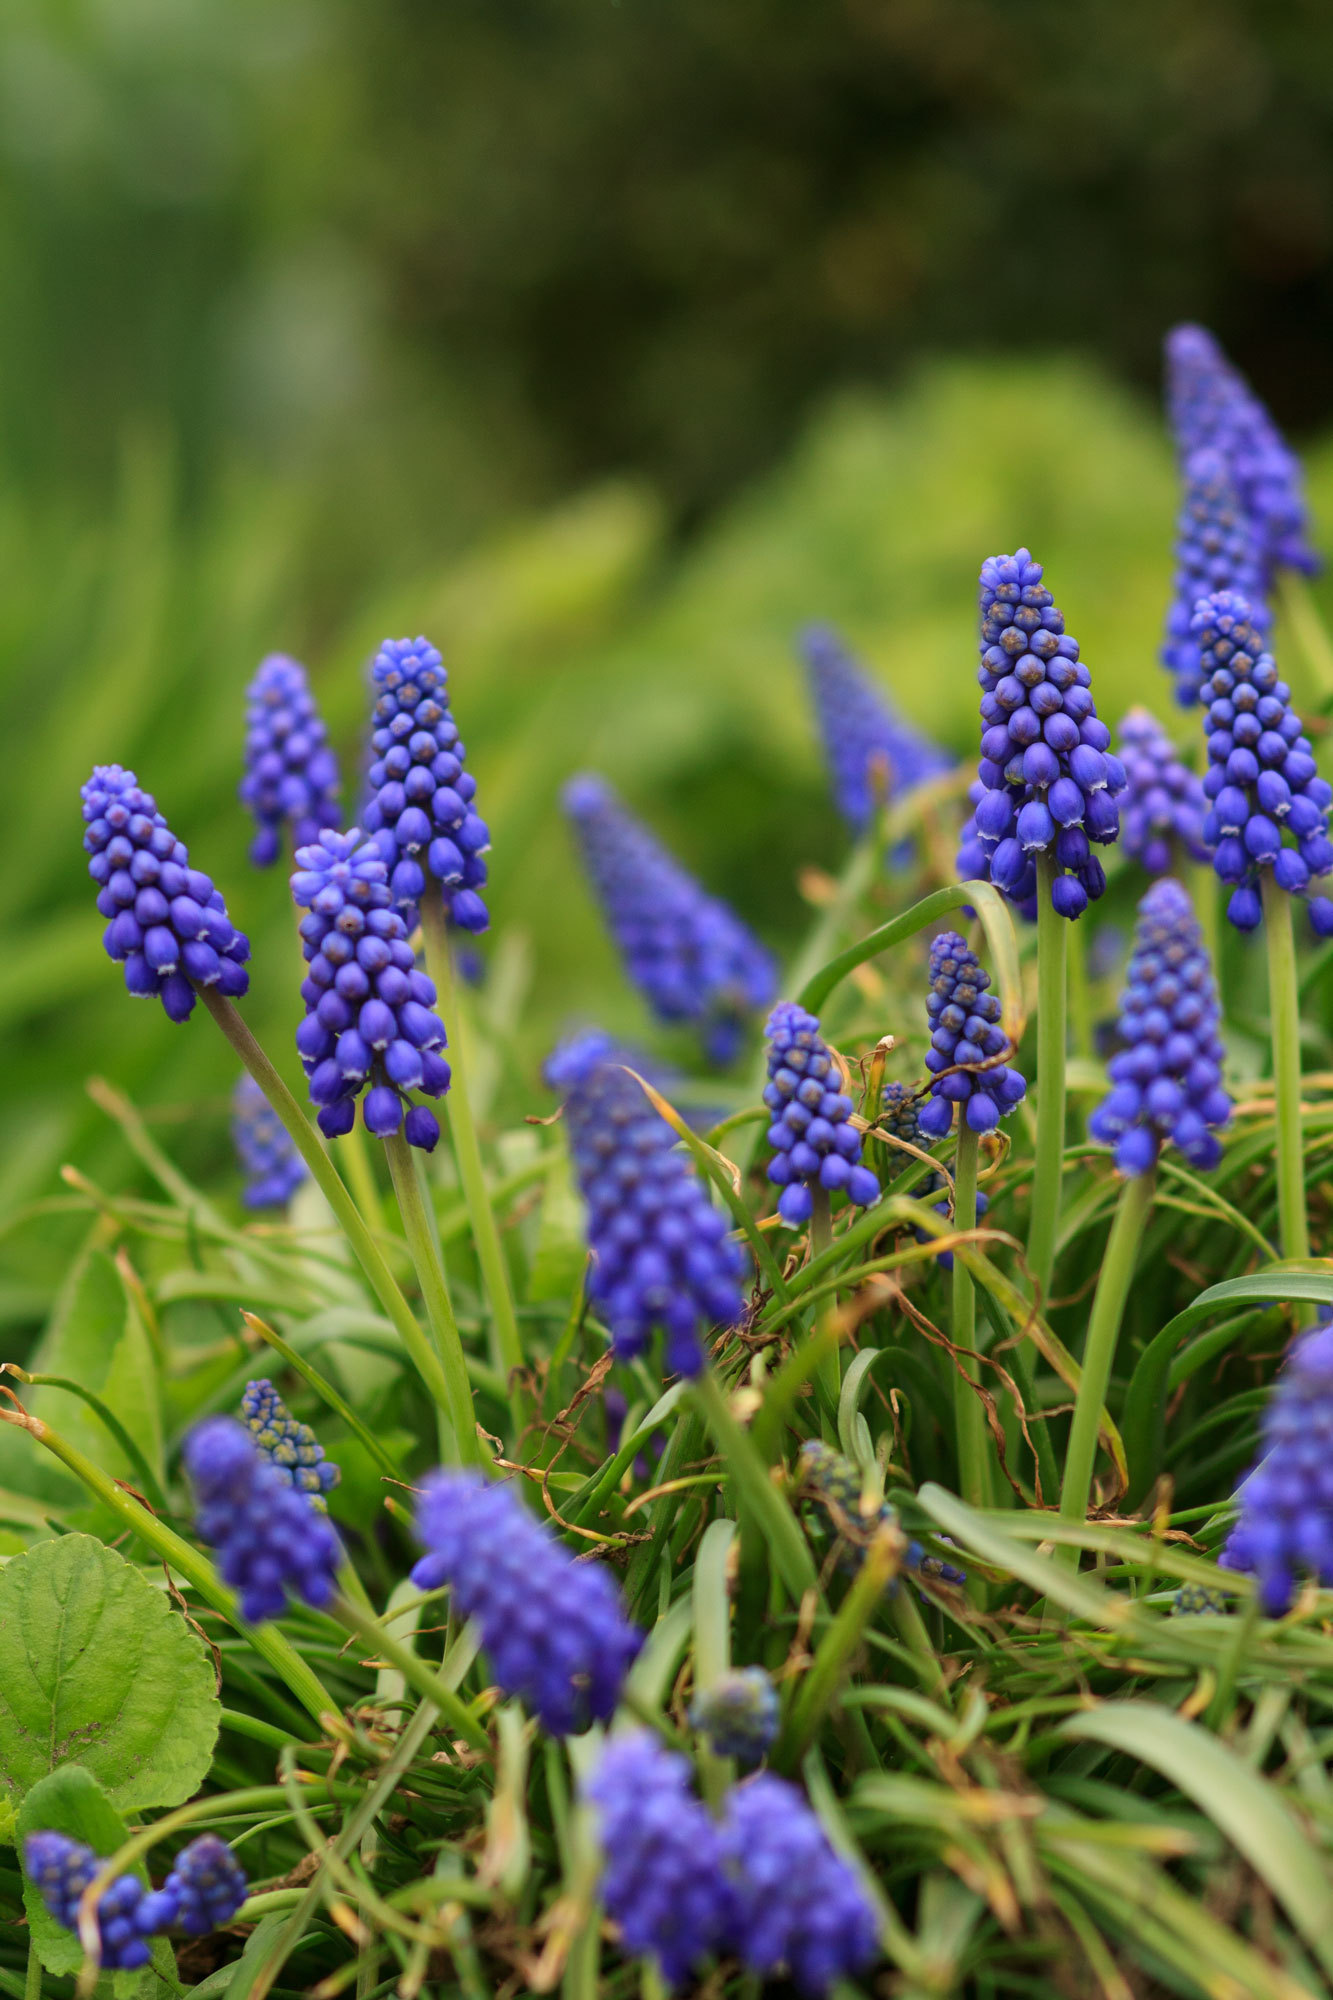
(1285, 1027)
(463, 1444)
(830, 1364)
(970, 1428)
(1052, 954)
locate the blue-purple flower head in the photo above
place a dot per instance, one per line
(690, 956)
(555, 1630)
(1167, 1075)
(420, 809)
(1215, 550)
(270, 1541)
(1050, 776)
(291, 1447)
(368, 1024)
(867, 745)
(661, 1256)
(166, 923)
(1269, 804)
(738, 1714)
(815, 1143)
(968, 1047)
(1285, 1529)
(798, 1907)
(291, 774)
(273, 1168)
(60, 1869)
(1163, 805)
(204, 1890)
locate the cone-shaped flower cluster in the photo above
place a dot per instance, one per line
(420, 810)
(738, 1714)
(838, 1487)
(861, 731)
(965, 1030)
(1262, 780)
(291, 774)
(1285, 1530)
(1051, 779)
(204, 1890)
(167, 924)
(690, 956)
(1212, 404)
(1215, 550)
(661, 1254)
(368, 1009)
(268, 1537)
(273, 1167)
(815, 1142)
(290, 1447)
(798, 1905)
(1163, 803)
(1167, 1076)
(555, 1630)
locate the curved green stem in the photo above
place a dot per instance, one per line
(755, 1489)
(440, 1690)
(970, 1428)
(1052, 951)
(439, 1310)
(1285, 1027)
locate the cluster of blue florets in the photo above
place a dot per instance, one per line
(1051, 779)
(1163, 805)
(368, 1008)
(420, 809)
(273, 1167)
(1167, 1075)
(291, 774)
(798, 1905)
(661, 1253)
(204, 1890)
(167, 925)
(690, 956)
(1262, 779)
(967, 1044)
(738, 1715)
(1215, 550)
(864, 741)
(554, 1629)
(815, 1142)
(290, 1447)
(269, 1539)
(1285, 1529)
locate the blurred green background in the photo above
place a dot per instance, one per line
(606, 344)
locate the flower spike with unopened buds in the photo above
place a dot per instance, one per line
(291, 774)
(815, 1143)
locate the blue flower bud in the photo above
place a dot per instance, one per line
(291, 774)
(827, 1150)
(862, 733)
(1285, 1529)
(268, 1537)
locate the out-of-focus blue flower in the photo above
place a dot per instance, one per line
(554, 1629)
(61, 1869)
(798, 1906)
(814, 1140)
(690, 956)
(964, 1035)
(862, 732)
(1167, 1077)
(1192, 1598)
(738, 1714)
(1285, 1529)
(1262, 780)
(268, 1537)
(1215, 550)
(1163, 801)
(661, 1253)
(203, 1892)
(288, 1445)
(273, 1167)
(167, 925)
(291, 774)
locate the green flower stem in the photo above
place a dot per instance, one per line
(327, 1178)
(754, 1487)
(506, 1345)
(971, 1430)
(1052, 951)
(837, 1647)
(1285, 1024)
(1298, 607)
(1080, 1000)
(1117, 1273)
(32, 1984)
(354, 1152)
(464, 1442)
(821, 1239)
(414, 1670)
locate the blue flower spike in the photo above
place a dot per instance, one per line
(798, 1906)
(1166, 1077)
(1285, 1529)
(690, 956)
(738, 1714)
(61, 1869)
(1215, 550)
(967, 1044)
(291, 774)
(661, 1253)
(815, 1143)
(1049, 775)
(1163, 806)
(1269, 806)
(205, 1888)
(270, 1541)
(862, 733)
(166, 923)
(289, 1446)
(273, 1168)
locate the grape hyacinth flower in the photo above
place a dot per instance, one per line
(554, 1629)
(1285, 1529)
(690, 956)
(268, 1537)
(290, 1447)
(738, 1714)
(1215, 550)
(965, 1030)
(1193, 1598)
(167, 924)
(420, 812)
(661, 1253)
(1163, 801)
(838, 1486)
(273, 1167)
(860, 729)
(368, 1009)
(815, 1143)
(662, 1879)
(973, 861)
(60, 1869)
(291, 774)
(798, 1905)
(203, 1892)
(1262, 778)
(1167, 1076)
(1050, 776)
